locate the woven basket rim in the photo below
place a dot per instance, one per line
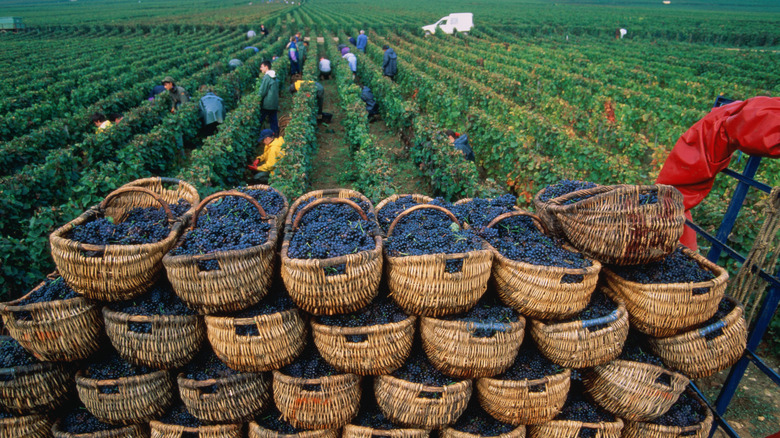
(551, 378)
(346, 378)
(564, 326)
(23, 370)
(141, 182)
(129, 317)
(380, 432)
(450, 429)
(729, 320)
(230, 255)
(119, 428)
(622, 363)
(458, 325)
(437, 256)
(335, 330)
(11, 306)
(396, 197)
(537, 197)
(257, 425)
(708, 417)
(406, 384)
(237, 377)
(248, 320)
(332, 261)
(617, 424)
(203, 428)
(94, 383)
(285, 205)
(326, 193)
(595, 265)
(599, 191)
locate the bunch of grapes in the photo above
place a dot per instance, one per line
(51, 290)
(227, 224)
(309, 365)
(158, 300)
(206, 365)
(600, 305)
(687, 411)
(564, 187)
(332, 230)
(391, 210)
(369, 414)
(479, 212)
(518, 239)
(271, 201)
(476, 421)
(80, 420)
(724, 308)
(276, 301)
(677, 267)
(179, 416)
(487, 310)
(272, 420)
(14, 355)
(140, 226)
(635, 351)
(419, 369)
(530, 364)
(110, 365)
(579, 408)
(381, 311)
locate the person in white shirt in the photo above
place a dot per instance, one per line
(324, 68)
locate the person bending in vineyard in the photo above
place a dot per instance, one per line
(461, 143)
(269, 93)
(351, 60)
(295, 86)
(100, 120)
(371, 106)
(324, 68)
(389, 62)
(178, 95)
(272, 151)
(212, 111)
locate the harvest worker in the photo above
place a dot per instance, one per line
(362, 41)
(324, 68)
(371, 106)
(292, 53)
(212, 111)
(100, 120)
(263, 30)
(235, 63)
(272, 151)
(269, 92)
(389, 62)
(303, 48)
(351, 59)
(115, 117)
(295, 86)
(178, 95)
(157, 89)
(461, 143)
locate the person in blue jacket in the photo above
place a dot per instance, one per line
(461, 143)
(389, 62)
(362, 41)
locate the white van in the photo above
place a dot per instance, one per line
(462, 22)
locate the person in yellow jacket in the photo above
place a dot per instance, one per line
(272, 151)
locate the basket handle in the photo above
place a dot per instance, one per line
(320, 201)
(612, 317)
(218, 195)
(718, 325)
(495, 326)
(420, 207)
(503, 216)
(119, 191)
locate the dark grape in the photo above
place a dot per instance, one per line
(80, 420)
(635, 351)
(309, 365)
(563, 187)
(179, 416)
(14, 355)
(476, 421)
(381, 311)
(487, 310)
(159, 300)
(277, 300)
(580, 408)
(530, 364)
(419, 369)
(206, 365)
(479, 212)
(52, 290)
(391, 210)
(140, 226)
(724, 308)
(600, 305)
(687, 411)
(677, 267)
(109, 365)
(272, 420)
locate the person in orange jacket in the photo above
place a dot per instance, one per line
(272, 151)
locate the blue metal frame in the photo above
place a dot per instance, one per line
(768, 308)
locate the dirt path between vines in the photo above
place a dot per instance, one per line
(330, 168)
(406, 177)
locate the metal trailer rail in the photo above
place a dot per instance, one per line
(745, 181)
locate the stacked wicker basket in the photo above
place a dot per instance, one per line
(607, 224)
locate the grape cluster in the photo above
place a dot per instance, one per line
(272, 420)
(674, 268)
(419, 369)
(369, 414)
(51, 290)
(80, 420)
(479, 212)
(4, 414)
(518, 239)
(476, 421)
(140, 226)
(381, 311)
(227, 224)
(158, 300)
(530, 364)
(276, 301)
(488, 310)
(14, 355)
(633, 350)
(579, 408)
(600, 305)
(563, 187)
(178, 415)
(110, 365)
(271, 201)
(332, 230)
(687, 411)
(309, 365)
(206, 365)
(391, 210)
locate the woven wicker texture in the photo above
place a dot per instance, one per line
(281, 338)
(571, 429)
(328, 402)
(382, 348)
(633, 390)
(126, 400)
(454, 350)
(28, 426)
(112, 272)
(257, 431)
(61, 330)
(34, 388)
(243, 277)
(172, 341)
(420, 199)
(162, 430)
(524, 401)
(417, 405)
(169, 189)
(696, 356)
(306, 280)
(543, 211)
(614, 227)
(583, 343)
(130, 431)
(666, 309)
(448, 432)
(232, 399)
(633, 429)
(354, 431)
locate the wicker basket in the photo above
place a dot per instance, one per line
(257, 431)
(419, 199)
(116, 272)
(28, 426)
(381, 349)
(633, 429)
(130, 431)
(281, 338)
(574, 345)
(696, 356)
(613, 227)
(169, 189)
(524, 401)
(328, 402)
(61, 330)
(541, 292)
(35, 388)
(307, 281)
(421, 285)
(232, 399)
(126, 400)
(633, 390)
(542, 210)
(171, 343)
(421, 406)
(354, 431)
(454, 350)
(162, 430)
(666, 309)
(448, 432)
(571, 429)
